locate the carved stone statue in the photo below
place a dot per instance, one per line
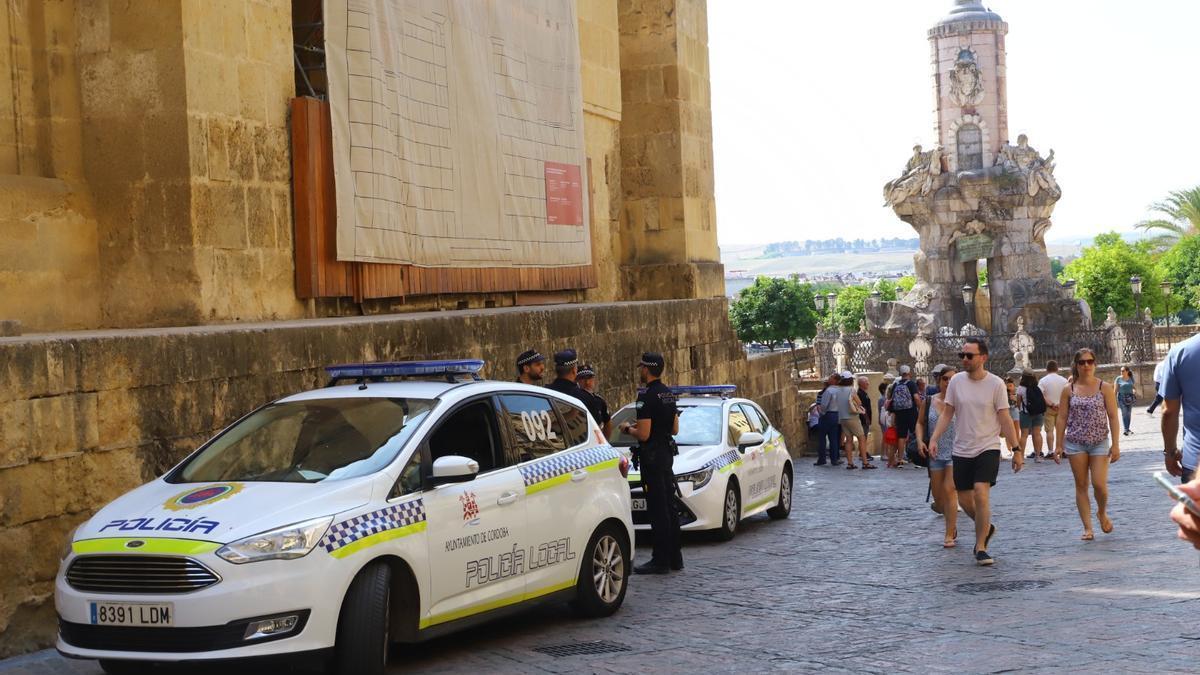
(918, 177)
(1027, 162)
(966, 82)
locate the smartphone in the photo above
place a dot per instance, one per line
(1167, 481)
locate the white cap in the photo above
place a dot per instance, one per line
(905, 370)
(847, 375)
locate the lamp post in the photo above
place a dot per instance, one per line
(1135, 285)
(1166, 291)
(831, 300)
(1070, 286)
(968, 295)
(820, 302)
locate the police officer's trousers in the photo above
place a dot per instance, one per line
(658, 483)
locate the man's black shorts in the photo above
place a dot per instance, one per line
(971, 470)
(906, 422)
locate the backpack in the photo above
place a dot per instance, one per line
(913, 454)
(1035, 401)
(902, 398)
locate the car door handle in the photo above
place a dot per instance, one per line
(579, 475)
(507, 498)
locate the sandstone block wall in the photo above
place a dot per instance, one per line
(87, 416)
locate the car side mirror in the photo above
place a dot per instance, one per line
(453, 469)
(750, 439)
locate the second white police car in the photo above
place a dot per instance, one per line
(342, 519)
(732, 462)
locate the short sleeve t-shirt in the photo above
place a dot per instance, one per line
(976, 403)
(831, 400)
(1052, 386)
(845, 394)
(1181, 382)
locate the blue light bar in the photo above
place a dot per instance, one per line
(445, 368)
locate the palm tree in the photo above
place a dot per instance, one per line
(1182, 211)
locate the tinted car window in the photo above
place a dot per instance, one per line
(752, 416)
(575, 421)
(698, 425)
(534, 425)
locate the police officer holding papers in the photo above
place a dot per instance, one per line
(657, 423)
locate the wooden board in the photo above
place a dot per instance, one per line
(319, 274)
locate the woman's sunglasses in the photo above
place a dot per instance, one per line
(1086, 362)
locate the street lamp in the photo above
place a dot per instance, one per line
(820, 301)
(831, 300)
(968, 294)
(1135, 285)
(1070, 286)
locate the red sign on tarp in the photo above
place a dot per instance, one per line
(564, 194)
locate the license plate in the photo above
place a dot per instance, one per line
(132, 614)
(639, 503)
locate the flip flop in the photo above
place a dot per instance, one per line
(1087, 536)
(950, 543)
(1106, 529)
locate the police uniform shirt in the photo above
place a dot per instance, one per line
(657, 404)
(565, 386)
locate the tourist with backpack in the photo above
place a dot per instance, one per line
(1032, 414)
(902, 403)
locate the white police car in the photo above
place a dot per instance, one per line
(341, 519)
(732, 463)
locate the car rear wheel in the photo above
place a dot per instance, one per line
(362, 636)
(784, 508)
(604, 574)
(731, 512)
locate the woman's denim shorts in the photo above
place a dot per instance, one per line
(939, 464)
(1032, 421)
(1098, 450)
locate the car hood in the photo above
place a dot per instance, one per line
(692, 458)
(221, 512)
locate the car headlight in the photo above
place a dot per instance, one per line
(698, 479)
(69, 546)
(285, 543)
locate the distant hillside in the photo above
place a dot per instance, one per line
(784, 249)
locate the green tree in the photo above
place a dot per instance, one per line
(851, 306)
(774, 311)
(888, 290)
(1181, 266)
(1057, 267)
(906, 283)
(1181, 217)
(1103, 270)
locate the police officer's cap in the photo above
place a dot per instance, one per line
(528, 357)
(566, 358)
(586, 370)
(652, 360)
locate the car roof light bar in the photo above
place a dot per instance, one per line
(722, 390)
(450, 369)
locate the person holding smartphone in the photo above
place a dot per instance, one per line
(941, 473)
(1087, 432)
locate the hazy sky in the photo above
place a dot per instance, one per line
(817, 104)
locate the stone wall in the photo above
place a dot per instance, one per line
(85, 417)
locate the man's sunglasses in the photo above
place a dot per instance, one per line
(1086, 362)
(967, 356)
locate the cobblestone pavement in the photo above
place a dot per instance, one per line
(857, 581)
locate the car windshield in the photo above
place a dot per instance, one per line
(698, 425)
(309, 441)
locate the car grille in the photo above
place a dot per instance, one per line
(139, 574)
(171, 640)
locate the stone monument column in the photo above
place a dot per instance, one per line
(975, 198)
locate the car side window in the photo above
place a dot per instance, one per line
(410, 477)
(754, 418)
(762, 418)
(738, 424)
(534, 424)
(470, 431)
(575, 423)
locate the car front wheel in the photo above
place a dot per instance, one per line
(784, 508)
(731, 513)
(362, 636)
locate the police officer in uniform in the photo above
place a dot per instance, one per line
(530, 366)
(566, 364)
(585, 377)
(657, 423)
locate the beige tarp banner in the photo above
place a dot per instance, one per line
(457, 132)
